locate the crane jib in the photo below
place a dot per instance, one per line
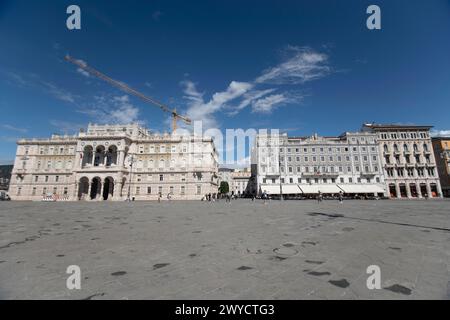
(122, 86)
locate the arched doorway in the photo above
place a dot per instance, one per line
(96, 186)
(108, 188)
(83, 188)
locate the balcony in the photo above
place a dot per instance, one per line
(369, 174)
(320, 174)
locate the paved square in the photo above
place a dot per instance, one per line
(237, 250)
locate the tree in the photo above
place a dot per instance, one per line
(224, 188)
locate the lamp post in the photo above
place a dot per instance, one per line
(281, 190)
(131, 160)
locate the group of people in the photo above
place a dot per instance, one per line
(211, 197)
(340, 197)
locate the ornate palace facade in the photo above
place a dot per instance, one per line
(115, 162)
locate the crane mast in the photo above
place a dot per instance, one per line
(122, 86)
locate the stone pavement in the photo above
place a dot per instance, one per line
(237, 250)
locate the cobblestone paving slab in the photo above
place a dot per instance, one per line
(237, 250)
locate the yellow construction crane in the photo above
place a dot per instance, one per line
(127, 89)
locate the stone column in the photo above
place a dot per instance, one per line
(89, 191)
(419, 192)
(397, 190)
(93, 157)
(120, 158)
(100, 194)
(408, 190)
(428, 189)
(439, 189)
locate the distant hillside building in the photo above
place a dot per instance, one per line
(115, 162)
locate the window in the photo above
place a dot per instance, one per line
(138, 190)
(182, 190)
(46, 178)
(161, 177)
(34, 191)
(171, 190)
(36, 178)
(199, 189)
(65, 191)
(56, 178)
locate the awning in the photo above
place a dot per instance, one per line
(270, 189)
(329, 188)
(291, 189)
(307, 188)
(323, 188)
(361, 188)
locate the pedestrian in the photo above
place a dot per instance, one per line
(159, 197)
(319, 197)
(341, 197)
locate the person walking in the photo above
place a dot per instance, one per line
(341, 197)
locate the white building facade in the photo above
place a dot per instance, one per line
(115, 162)
(408, 160)
(306, 166)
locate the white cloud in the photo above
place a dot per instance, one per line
(267, 104)
(13, 128)
(113, 110)
(440, 133)
(58, 93)
(66, 126)
(33, 80)
(303, 64)
(249, 98)
(83, 72)
(198, 109)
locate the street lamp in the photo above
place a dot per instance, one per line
(281, 190)
(131, 160)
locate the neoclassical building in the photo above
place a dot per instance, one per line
(115, 162)
(408, 160)
(304, 166)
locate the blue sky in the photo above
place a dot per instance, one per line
(300, 66)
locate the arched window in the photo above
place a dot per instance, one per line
(415, 147)
(385, 148)
(405, 147)
(395, 147)
(161, 163)
(425, 147)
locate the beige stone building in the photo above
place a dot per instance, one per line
(115, 162)
(241, 179)
(408, 160)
